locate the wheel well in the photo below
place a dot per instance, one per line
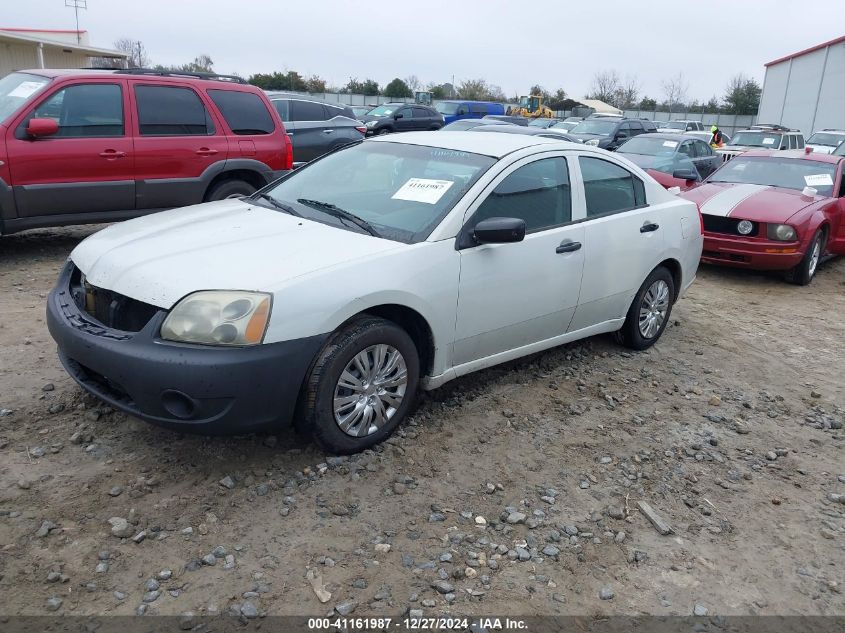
(674, 268)
(252, 177)
(415, 325)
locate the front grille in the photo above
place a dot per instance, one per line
(726, 156)
(110, 308)
(719, 224)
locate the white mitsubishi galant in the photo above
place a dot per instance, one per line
(331, 296)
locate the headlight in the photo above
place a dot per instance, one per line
(371, 123)
(744, 227)
(781, 233)
(592, 141)
(219, 317)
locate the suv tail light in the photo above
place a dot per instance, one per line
(287, 157)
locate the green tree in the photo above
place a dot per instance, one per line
(742, 95)
(647, 103)
(397, 89)
(438, 91)
(315, 84)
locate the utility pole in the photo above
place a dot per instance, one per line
(76, 5)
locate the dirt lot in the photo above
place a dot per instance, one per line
(512, 491)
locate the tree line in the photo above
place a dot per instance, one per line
(741, 95)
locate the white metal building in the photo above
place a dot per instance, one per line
(31, 48)
(806, 90)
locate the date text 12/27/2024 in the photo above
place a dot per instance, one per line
(415, 624)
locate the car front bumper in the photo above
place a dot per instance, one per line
(185, 387)
(757, 254)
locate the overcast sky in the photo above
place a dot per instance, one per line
(508, 43)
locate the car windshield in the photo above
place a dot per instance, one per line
(595, 126)
(673, 125)
(402, 190)
(383, 110)
(757, 139)
(565, 125)
(16, 89)
(444, 107)
(839, 151)
(789, 173)
(826, 138)
(649, 146)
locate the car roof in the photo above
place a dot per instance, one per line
(495, 145)
(669, 136)
(140, 74)
(798, 154)
(274, 94)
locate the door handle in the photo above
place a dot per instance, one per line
(568, 247)
(648, 227)
(111, 153)
(327, 131)
(204, 151)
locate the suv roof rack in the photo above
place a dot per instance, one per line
(771, 126)
(181, 73)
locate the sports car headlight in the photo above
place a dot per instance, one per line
(219, 317)
(592, 141)
(781, 233)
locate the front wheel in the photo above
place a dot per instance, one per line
(649, 312)
(361, 387)
(804, 272)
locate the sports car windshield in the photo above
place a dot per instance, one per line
(649, 146)
(595, 126)
(789, 173)
(757, 139)
(402, 191)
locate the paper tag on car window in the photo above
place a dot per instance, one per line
(25, 89)
(768, 141)
(423, 190)
(818, 180)
(670, 143)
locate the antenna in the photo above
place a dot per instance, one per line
(76, 5)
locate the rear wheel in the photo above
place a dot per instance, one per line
(361, 386)
(383, 131)
(649, 312)
(229, 189)
(804, 272)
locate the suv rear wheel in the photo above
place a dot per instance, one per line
(229, 189)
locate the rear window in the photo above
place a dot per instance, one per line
(245, 112)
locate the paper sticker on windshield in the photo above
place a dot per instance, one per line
(819, 180)
(25, 89)
(423, 190)
(768, 141)
(670, 143)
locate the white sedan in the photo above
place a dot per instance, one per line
(330, 297)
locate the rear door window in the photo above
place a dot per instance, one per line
(609, 188)
(171, 111)
(244, 112)
(84, 110)
(307, 111)
(421, 113)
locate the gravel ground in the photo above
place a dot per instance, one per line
(517, 490)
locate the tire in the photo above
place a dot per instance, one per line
(383, 131)
(229, 189)
(804, 272)
(656, 295)
(370, 417)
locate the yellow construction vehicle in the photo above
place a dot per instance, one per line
(533, 107)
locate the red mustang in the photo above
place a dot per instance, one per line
(771, 210)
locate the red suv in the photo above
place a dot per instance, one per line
(81, 146)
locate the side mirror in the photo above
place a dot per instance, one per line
(621, 136)
(685, 174)
(396, 117)
(41, 127)
(499, 231)
(461, 112)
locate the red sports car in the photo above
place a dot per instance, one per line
(774, 210)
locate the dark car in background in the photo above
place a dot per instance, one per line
(610, 132)
(676, 150)
(457, 110)
(468, 124)
(402, 117)
(508, 118)
(360, 110)
(543, 123)
(316, 127)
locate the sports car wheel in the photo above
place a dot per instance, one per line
(804, 272)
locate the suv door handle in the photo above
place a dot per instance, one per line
(111, 153)
(648, 227)
(568, 247)
(204, 151)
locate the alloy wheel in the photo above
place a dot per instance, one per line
(653, 309)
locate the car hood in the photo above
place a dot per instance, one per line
(759, 203)
(227, 245)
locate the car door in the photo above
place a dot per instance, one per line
(622, 134)
(176, 141)
(623, 240)
(313, 135)
(636, 128)
(423, 119)
(705, 159)
(406, 122)
(87, 166)
(517, 294)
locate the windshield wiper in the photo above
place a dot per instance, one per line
(341, 214)
(279, 205)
